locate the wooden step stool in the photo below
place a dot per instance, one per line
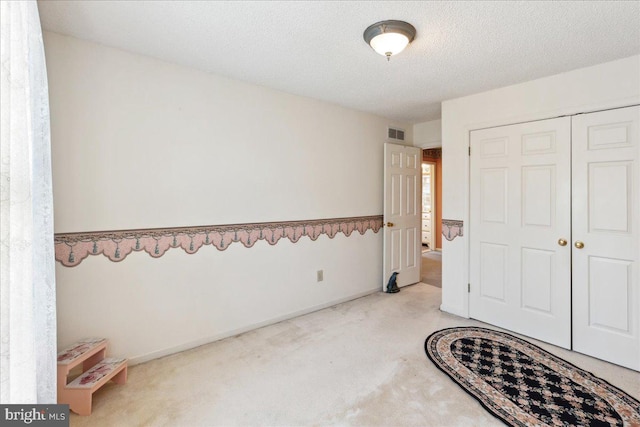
(97, 371)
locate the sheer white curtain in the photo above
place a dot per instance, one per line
(27, 271)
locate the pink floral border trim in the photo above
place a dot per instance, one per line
(72, 248)
(452, 228)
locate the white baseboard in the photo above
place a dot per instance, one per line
(453, 310)
(207, 340)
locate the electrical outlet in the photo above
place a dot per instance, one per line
(320, 275)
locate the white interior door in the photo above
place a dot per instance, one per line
(606, 218)
(402, 213)
(520, 224)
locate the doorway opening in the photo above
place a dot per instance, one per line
(428, 206)
(431, 269)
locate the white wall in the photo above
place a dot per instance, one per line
(141, 143)
(428, 134)
(608, 85)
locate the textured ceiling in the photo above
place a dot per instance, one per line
(316, 49)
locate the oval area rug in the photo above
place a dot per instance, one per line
(524, 385)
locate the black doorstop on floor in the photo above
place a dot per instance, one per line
(392, 286)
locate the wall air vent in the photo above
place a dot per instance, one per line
(397, 134)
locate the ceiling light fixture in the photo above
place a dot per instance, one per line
(389, 37)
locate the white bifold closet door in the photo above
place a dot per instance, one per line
(606, 240)
(520, 211)
(555, 246)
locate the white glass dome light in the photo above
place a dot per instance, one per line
(389, 38)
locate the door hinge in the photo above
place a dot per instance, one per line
(468, 287)
(469, 150)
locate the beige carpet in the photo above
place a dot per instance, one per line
(360, 363)
(431, 268)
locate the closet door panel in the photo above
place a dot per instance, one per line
(520, 208)
(605, 223)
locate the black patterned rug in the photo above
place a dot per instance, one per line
(524, 385)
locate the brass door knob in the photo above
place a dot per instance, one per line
(578, 244)
(562, 242)
(389, 224)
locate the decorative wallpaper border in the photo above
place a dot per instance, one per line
(452, 228)
(72, 248)
(432, 153)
